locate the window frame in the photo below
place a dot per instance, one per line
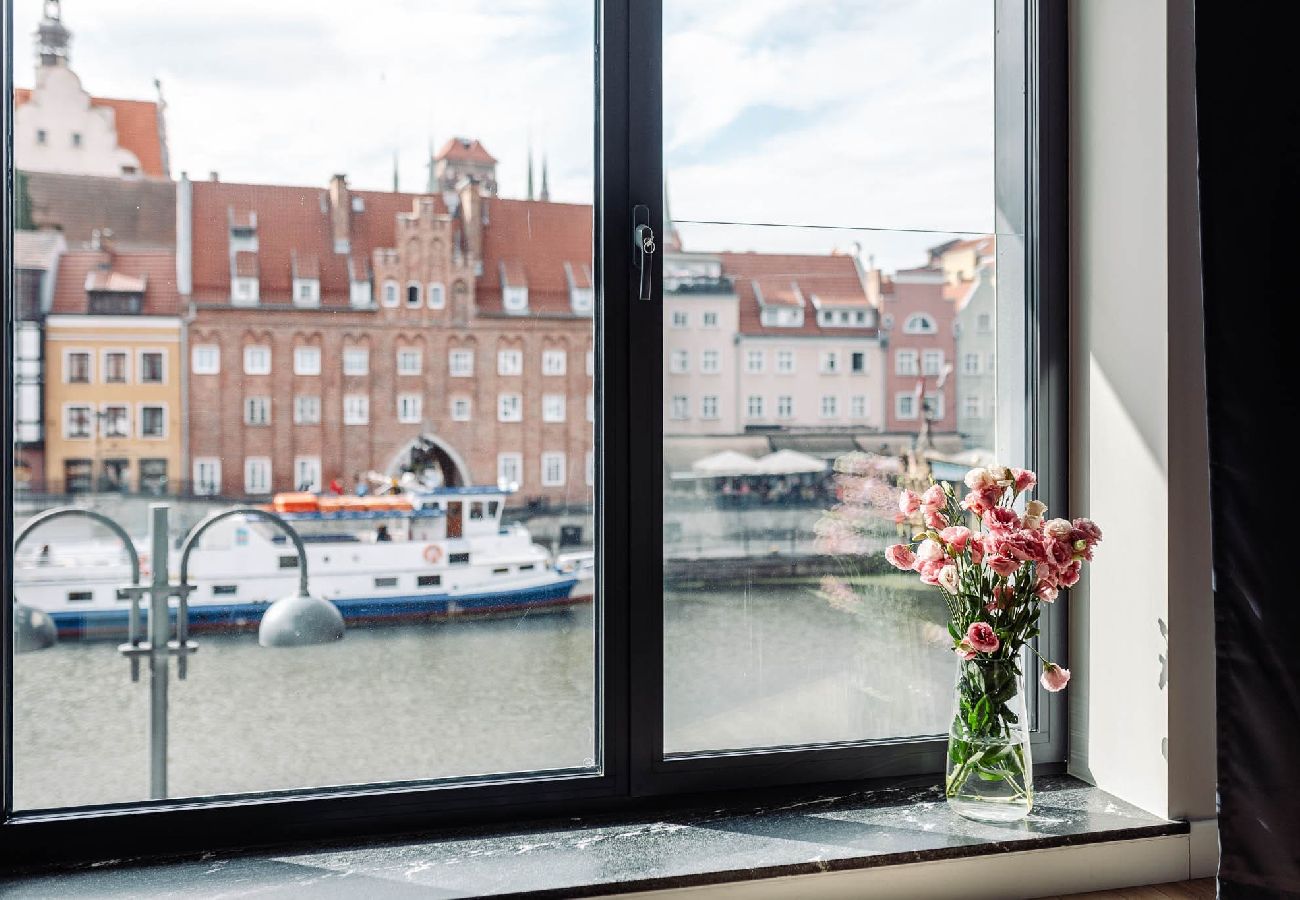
(628, 519)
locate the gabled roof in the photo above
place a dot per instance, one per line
(154, 271)
(459, 149)
(138, 128)
(824, 276)
(538, 238)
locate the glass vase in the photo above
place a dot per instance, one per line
(989, 777)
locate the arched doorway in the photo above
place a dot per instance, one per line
(429, 452)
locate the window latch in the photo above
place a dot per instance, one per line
(643, 246)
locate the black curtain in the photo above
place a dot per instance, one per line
(1248, 127)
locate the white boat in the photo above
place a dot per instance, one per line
(420, 556)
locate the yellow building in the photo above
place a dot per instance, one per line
(113, 374)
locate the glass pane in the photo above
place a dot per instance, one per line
(830, 333)
(373, 318)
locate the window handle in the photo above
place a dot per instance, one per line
(643, 245)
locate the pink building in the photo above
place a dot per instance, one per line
(917, 318)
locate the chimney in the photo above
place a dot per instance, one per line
(341, 214)
(212, 176)
(471, 217)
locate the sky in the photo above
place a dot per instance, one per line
(856, 116)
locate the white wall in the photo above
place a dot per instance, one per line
(60, 107)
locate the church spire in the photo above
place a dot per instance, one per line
(52, 36)
(546, 188)
(395, 188)
(530, 169)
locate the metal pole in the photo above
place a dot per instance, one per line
(159, 635)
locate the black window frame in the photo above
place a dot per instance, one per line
(629, 702)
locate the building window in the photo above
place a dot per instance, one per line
(785, 407)
(76, 138)
(257, 360)
(390, 294)
(970, 364)
(785, 361)
(356, 409)
(932, 362)
(207, 476)
(710, 362)
(76, 367)
(830, 362)
(553, 408)
(858, 406)
(754, 406)
(681, 319)
(934, 406)
(972, 405)
(409, 362)
(153, 477)
(116, 475)
(460, 363)
(306, 361)
(984, 323)
(679, 363)
(710, 319)
(257, 411)
(356, 361)
(437, 295)
(554, 362)
(510, 408)
(306, 409)
(153, 421)
(709, 406)
(409, 408)
(680, 407)
(205, 359)
(115, 421)
(830, 406)
(461, 409)
(306, 473)
(920, 323)
(510, 467)
(41, 136)
(552, 469)
(77, 422)
(510, 362)
(858, 362)
(116, 367)
(152, 367)
(413, 298)
(257, 475)
(754, 360)
(905, 405)
(905, 362)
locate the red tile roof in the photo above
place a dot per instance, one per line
(538, 238)
(828, 276)
(138, 128)
(305, 265)
(246, 264)
(79, 269)
(141, 212)
(460, 149)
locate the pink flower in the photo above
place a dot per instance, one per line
(1046, 591)
(900, 556)
(948, 579)
(979, 502)
(1003, 565)
(934, 498)
(935, 520)
(1057, 554)
(908, 503)
(1087, 530)
(1069, 576)
(1054, 678)
(1001, 520)
(931, 552)
(964, 650)
(956, 537)
(1061, 529)
(976, 549)
(981, 637)
(929, 571)
(981, 480)
(1024, 480)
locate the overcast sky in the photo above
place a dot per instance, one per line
(849, 113)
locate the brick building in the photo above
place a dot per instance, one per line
(917, 318)
(333, 330)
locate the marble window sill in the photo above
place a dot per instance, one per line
(588, 858)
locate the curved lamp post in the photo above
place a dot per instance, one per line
(294, 621)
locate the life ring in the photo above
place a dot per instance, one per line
(432, 554)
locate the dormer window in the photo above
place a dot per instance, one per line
(244, 279)
(920, 323)
(306, 292)
(582, 295)
(514, 287)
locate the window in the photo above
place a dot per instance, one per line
(257, 410)
(785, 362)
(77, 476)
(552, 407)
(905, 362)
(205, 359)
(932, 362)
(510, 467)
(920, 323)
(905, 405)
(680, 362)
(257, 475)
(830, 406)
(115, 421)
(153, 477)
(306, 361)
(408, 362)
(460, 363)
(152, 367)
(356, 361)
(306, 473)
(76, 138)
(390, 294)
(680, 406)
(971, 406)
(207, 476)
(77, 422)
(306, 409)
(554, 362)
(709, 406)
(408, 408)
(754, 406)
(461, 409)
(754, 360)
(858, 406)
(552, 469)
(257, 360)
(437, 295)
(356, 409)
(115, 367)
(510, 362)
(709, 319)
(984, 323)
(153, 421)
(76, 367)
(970, 363)
(680, 319)
(710, 362)
(934, 406)
(413, 298)
(858, 362)
(41, 136)
(510, 408)
(830, 362)
(785, 407)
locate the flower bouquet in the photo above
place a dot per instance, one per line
(994, 579)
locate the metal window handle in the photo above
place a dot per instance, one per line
(643, 244)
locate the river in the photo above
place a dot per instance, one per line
(743, 668)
